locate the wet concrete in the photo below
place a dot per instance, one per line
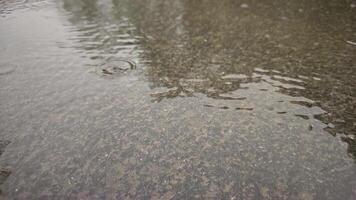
(178, 99)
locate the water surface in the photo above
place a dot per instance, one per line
(178, 99)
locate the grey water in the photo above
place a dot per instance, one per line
(178, 99)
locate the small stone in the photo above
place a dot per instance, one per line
(284, 18)
(244, 5)
(339, 121)
(330, 125)
(353, 5)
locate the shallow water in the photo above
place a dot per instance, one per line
(178, 99)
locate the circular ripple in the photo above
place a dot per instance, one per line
(117, 66)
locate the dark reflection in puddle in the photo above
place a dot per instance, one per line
(303, 116)
(206, 100)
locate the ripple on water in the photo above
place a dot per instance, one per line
(7, 68)
(116, 66)
(7, 7)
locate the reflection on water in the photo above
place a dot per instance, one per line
(102, 29)
(194, 99)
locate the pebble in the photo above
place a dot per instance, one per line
(244, 5)
(331, 125)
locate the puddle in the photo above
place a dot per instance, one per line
(202, 100)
